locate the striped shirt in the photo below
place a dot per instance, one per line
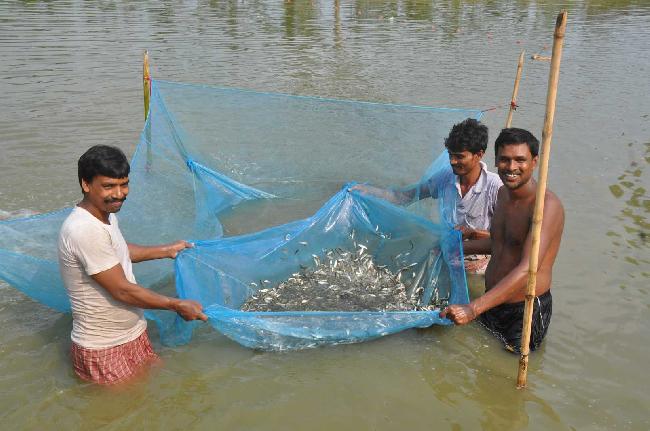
(476, 208)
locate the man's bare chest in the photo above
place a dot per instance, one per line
(510, 226)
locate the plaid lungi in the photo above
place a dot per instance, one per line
(476, 263)
(114, 364)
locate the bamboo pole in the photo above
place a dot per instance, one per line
(515, 90)
(146, 83)
(146, 86)
(547, 134)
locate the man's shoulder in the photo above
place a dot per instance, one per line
(81, 225)
(493, 179)
(550, 195)
(441, 182)
(552, 202)
(502, 195)
(490, 177)
(444, 175)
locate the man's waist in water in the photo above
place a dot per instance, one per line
(520, 297)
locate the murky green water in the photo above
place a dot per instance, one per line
(70, 78)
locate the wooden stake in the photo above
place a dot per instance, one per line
(547, 134)
(146, 84)
(513, 101)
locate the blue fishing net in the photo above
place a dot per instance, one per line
(218, 161)
(225, 272)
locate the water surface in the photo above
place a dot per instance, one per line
(70, 76)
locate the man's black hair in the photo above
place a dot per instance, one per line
(102, 160)
(469, 135)
(514, 135)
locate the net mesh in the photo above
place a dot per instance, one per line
(215, 162)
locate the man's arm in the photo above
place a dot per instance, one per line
(115, 282)
(478, 246)
(473, 234)
(140, 253)
(392, 196)
(493, 195)
(515, 281)
(397, 197)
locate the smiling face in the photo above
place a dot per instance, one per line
(515, 165)
(464, 162)
(105, 195)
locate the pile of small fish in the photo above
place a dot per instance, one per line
(343, 281)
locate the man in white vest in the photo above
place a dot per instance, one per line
(109, 331)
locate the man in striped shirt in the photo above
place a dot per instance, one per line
(468, 191)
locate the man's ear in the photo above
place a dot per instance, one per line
(480, 154)
(535, 159)
(85, 187)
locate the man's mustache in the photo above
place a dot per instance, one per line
(112, 201)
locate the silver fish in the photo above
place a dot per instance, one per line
(342, 280)
(417, 280)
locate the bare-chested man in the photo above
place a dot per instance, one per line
(501, 308)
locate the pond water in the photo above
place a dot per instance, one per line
(70, 76)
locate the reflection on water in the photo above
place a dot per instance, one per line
(632, 236)
(299, 19)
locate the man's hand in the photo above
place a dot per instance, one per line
(459, 314)
(362, 188)
(140, 253)
(171, 250)
(468, 232)
(189, 309)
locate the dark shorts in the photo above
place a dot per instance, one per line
(506, 320)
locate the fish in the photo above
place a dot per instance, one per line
(417, 280)
(342, 280)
